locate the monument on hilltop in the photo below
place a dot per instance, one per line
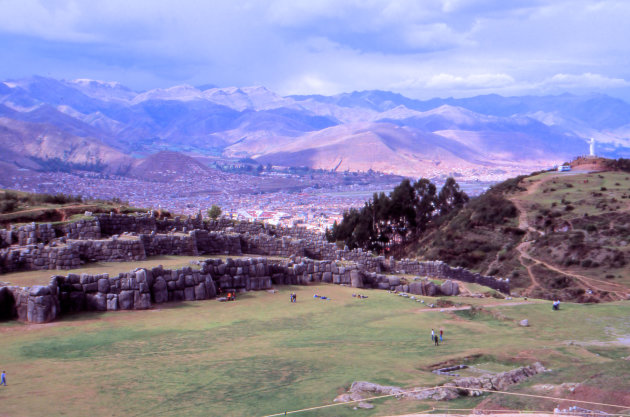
(591, 148)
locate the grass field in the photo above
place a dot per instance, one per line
(262, 355)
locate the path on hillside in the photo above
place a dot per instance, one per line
(78, 206)
(584, 282)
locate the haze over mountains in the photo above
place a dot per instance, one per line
(106, 126)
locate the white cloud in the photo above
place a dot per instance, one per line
(586, 80)
(471, 81)
(437, 47)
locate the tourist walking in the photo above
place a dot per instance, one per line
(441, 335)
(432, 335)
(437, 341)
(3, 378)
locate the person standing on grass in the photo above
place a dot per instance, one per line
(432, 335)
(437, 341)
(3, 378)
(441, 335)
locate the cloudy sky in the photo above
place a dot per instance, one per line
(420, 48)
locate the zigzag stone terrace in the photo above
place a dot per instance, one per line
(308, 258)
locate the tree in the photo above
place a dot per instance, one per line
(451, 196)
(214, 212)
(425, 203)
(407, 211)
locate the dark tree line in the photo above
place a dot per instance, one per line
(405, 213)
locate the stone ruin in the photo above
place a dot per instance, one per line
(142, 288)
(116, 237)
(463, 386)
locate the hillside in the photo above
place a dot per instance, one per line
(554, 234)
(18, 207)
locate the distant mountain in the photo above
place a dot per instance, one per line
(373, 129)
(45, 147)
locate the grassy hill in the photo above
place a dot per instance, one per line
(17, 207)
(554, 234)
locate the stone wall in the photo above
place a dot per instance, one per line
(110, 250)
(169, 244)
(213, 243)
(142, 288)
(117, 224)
(6, 238)
(83, 229)
(440, 269)
(33, 233)
(36, 257)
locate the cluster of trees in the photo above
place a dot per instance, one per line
(620, 164)
(406, 213)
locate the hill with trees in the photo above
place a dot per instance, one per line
(554, 234)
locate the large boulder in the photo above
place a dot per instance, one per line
(363, 386)
(160, 291)
(125, 300)
(112, 302)
(429, 288)
(103, 285)
(394, 281)
(200, 291)
(142, 300)
(356, 278)
(42, 309)
(449, 288)
(189, 294)
(415, 288)
(96, 301)
(211, 290)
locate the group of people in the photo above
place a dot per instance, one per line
(321, 297)
(437, 338)
(293, 297)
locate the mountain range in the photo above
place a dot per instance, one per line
(87, 124)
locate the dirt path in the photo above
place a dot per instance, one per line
(528, 261)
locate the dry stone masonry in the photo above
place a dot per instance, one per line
(116, 237)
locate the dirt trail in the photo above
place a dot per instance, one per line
(78, 206)
(528, 261)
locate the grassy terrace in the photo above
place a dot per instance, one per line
(42, 277)
(262, 355)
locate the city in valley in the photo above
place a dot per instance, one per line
(285, 196)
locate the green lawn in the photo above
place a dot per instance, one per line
(262, 355)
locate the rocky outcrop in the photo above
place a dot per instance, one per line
(465, 386)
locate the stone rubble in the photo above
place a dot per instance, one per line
(464, 386)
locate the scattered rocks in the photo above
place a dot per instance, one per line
(465, 386)
(524, 323)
